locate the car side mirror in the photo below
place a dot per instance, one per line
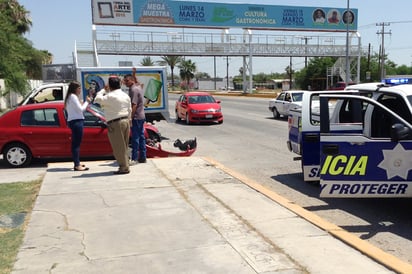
(399, 132)
(218, 101)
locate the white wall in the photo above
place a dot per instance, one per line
(14, 98)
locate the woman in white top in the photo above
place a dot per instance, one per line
(75, 119)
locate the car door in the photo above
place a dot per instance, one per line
(279, 103)
(287, 100)
(373, 163)
(95, 141)
(182, 106)
(307, 130)
(44, 132)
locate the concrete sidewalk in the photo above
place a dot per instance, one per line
(172, 215)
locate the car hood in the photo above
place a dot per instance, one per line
(205, 106)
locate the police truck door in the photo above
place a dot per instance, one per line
(374, 163)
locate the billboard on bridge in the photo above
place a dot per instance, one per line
(168, 13)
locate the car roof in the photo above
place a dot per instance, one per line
(365, 86)
(401, 89)
(405, 90)
(197, 93)
(42, 105)
(295, 91)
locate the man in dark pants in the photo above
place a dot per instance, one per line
(117, 108)
(138, 119)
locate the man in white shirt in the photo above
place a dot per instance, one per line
(117, 108)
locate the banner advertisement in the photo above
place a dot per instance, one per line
(168, 13)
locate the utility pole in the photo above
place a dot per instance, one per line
(347, 63)
(290, 73)
(382, 50)
(306, 49)
(227, 72)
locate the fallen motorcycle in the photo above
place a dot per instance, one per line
(154, 148)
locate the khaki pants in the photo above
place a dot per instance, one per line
(118, 133)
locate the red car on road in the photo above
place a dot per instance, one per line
(40, 131)
(198, 107)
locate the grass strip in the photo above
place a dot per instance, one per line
(15, 198)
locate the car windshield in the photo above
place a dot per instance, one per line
(26, 97)
(96, 109)
(201, 99)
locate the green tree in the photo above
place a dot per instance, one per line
(403, 70)
(316, 71)
(15, 49)
(202, 75)
(172, 61)
(261, 78)
(147, 61)
(16, 14)
(187, 71)
(314, 74)
(34, 63)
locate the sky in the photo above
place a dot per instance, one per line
(58, 24)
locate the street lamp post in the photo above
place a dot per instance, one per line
(347, 74)
(227, 72)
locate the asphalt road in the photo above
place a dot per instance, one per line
(252, 143)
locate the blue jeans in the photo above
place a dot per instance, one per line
(138, 140)
(77, 134)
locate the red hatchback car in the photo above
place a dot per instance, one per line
(40, 131)
(198, 107)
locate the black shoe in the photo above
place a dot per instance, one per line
(81, 168)
(119, 172)
(142, 161)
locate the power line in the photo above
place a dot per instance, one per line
(368, 26)
(401, 22)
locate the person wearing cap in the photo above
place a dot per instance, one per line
(117, 108)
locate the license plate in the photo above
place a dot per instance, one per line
(209, 115)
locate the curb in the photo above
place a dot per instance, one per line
(362, 246)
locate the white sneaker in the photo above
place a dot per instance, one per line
(133, 162)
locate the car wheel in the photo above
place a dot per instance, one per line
(276, 114)
(220, 122)
(17, 155)
(187, 119)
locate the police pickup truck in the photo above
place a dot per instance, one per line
(356, 142)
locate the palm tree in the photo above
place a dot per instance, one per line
(47, 57)
(171, 61)
(187, 71)
(147, 61)
(18, 14)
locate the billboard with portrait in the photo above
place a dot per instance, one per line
(152, 79)
(168, 13)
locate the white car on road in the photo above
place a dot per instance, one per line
(284, 101)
